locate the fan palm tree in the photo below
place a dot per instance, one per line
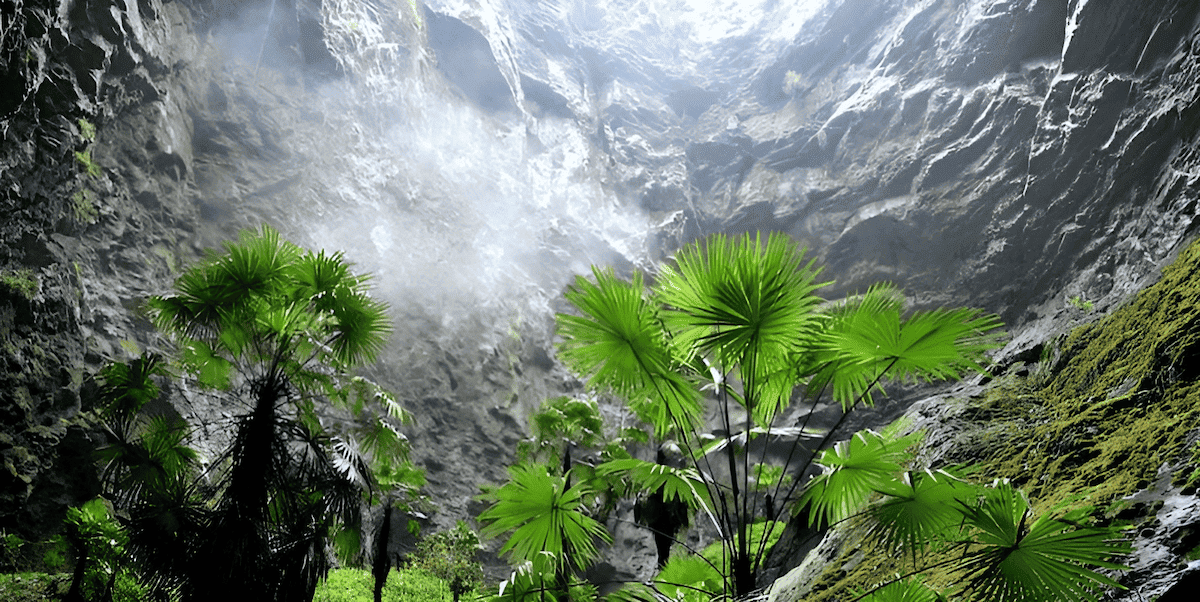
(740, 317)
(281, 329)
(549, 527)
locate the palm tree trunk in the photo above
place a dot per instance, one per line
(381, 564)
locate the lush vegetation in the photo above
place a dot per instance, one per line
(723, 357)
(732, 333)
(358, 585)
(275, 332)
(1097, 418)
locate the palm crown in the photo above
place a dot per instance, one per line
(280, 328)
(739, 316)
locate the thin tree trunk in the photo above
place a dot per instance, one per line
(382, 564)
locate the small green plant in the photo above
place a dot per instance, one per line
(1079, 302)
(84, 158)
(450, 555)
(87, 130)
(54, 558)
(99, 544)
(11, 546)
(21, 281)
(355, 585)
(84, 207)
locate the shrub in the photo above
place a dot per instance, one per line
(356, 585)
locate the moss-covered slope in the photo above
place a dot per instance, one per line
(1105, 415)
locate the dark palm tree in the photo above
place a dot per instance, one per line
(281, 329)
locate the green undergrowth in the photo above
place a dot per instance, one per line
(343, 585)
(357, 585)
(1094, 426)
(33, 587)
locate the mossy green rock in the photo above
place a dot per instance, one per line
(1113, 415)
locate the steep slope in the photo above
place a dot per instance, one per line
(1105, 417)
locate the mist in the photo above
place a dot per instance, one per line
(426, 156)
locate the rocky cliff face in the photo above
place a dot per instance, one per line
(1006, 154)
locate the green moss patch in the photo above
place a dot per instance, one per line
(1122, 401)
(21, 281)
(1121, 405)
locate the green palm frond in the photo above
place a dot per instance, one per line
(163, 439)
(747, 304)
(258, 265)
(209, 367)
(568, 418)
(841, 356)
(319, 275)
(734, 296)
(904, 590)
(1023, 558)
(868, 336)
(923, 509)
(127, 386)
(853, 470)
(618, 345)
(683, 484)
(545, 517)
(361, 327)
(689, 579)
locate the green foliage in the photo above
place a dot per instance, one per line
(83, 207)
(277, 329)
(689, 578)
(90, 167)
(559, 423)
(87, 130)
(20, 281)
(1023, 558)
(903, 590)
(682, 484)
(617, 345)
(54, 557)
(99, 543)
(32, 587)
(986, 540)
(357, 585)
(739, 317)
(854, 469)
(543, 513)
(1078, 302)
(11, 546)
(450, 555)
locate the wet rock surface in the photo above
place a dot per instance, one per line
(1006, 154)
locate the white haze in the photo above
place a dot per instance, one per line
(460, 211)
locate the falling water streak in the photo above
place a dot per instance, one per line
(266, 34)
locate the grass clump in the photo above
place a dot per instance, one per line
(20, 281)
(84, 158)
(87, 130)
(83, 205)
(33, 587)
(357, 585)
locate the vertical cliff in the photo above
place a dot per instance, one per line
(1006, 154)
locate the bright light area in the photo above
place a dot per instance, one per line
(690, 35)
